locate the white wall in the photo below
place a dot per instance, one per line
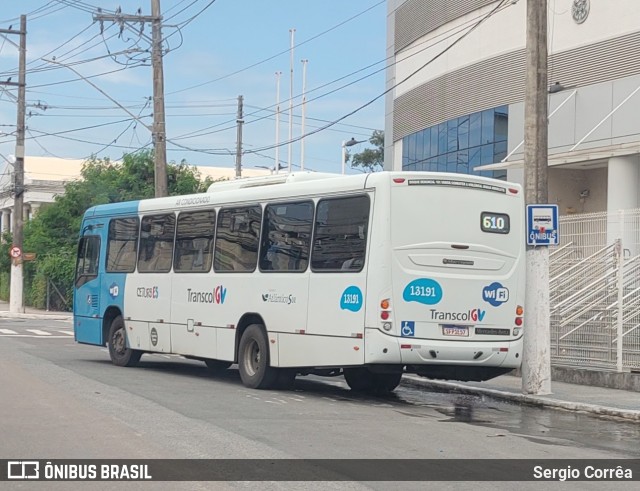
(506, 31)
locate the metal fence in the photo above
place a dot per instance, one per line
(595, 291)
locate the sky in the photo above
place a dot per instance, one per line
(215, 51)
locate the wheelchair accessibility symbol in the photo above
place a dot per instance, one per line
(408, 329)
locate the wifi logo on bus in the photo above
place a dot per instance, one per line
(495, 294)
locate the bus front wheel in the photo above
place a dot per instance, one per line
(119, 353)
(253, 359)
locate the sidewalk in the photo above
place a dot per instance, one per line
(581, 398)
(31, 313)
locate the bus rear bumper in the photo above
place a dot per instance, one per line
(384, 348)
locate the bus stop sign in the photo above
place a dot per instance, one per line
(542, 225)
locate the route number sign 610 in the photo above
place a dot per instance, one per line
(494, 223)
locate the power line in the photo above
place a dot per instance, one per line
(393, 87)
(277, 54)
(428, 45)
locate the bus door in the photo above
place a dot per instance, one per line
(86, 296)
(337, 287)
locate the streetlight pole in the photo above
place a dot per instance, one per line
(304, 111)
(344, 155)
(346, 144)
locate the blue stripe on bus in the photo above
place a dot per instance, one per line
(113, 209)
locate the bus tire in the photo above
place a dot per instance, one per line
(120, 355)
(286, 379)
(253, 359)
(359, 379)
(217, 365)
(386, 382)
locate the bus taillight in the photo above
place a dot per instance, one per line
(518, 320)
(385, 312)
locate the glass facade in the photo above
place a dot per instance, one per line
(460, 144)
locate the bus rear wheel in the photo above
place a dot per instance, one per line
(120, 354)
(253, 359)
(361, 379)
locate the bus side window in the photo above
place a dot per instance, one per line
(340, 237)
(122, 245)
(194, 241)
(156, 243)
(237, 239)
(87, 263)
(286, 237)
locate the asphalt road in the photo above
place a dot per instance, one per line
(62, 400)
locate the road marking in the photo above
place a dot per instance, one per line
(32, 336)
(70, 333)
(39, 332)
(7, 331)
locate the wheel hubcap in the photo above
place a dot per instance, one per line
(119, 344)
(252, 358)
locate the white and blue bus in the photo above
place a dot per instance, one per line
(369, 276)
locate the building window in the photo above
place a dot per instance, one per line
(460, 144)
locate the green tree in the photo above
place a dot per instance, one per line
(53, 233)
(370, 159)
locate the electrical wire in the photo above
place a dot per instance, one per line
(393, 87)
(277, 54)
(426, 45)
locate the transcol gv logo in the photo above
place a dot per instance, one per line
(475, 315)
(495, 294)
(217, 295)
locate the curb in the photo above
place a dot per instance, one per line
(11, 315)
(539, 401)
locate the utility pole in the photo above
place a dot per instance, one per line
(16, 302)
(159, 133)
(159, 128)
(536, 363)
(240, 122)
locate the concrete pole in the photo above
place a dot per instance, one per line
(16, 301)
(159, 127)
(344, 156)
(536, 363)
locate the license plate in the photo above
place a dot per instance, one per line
(455, 330)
